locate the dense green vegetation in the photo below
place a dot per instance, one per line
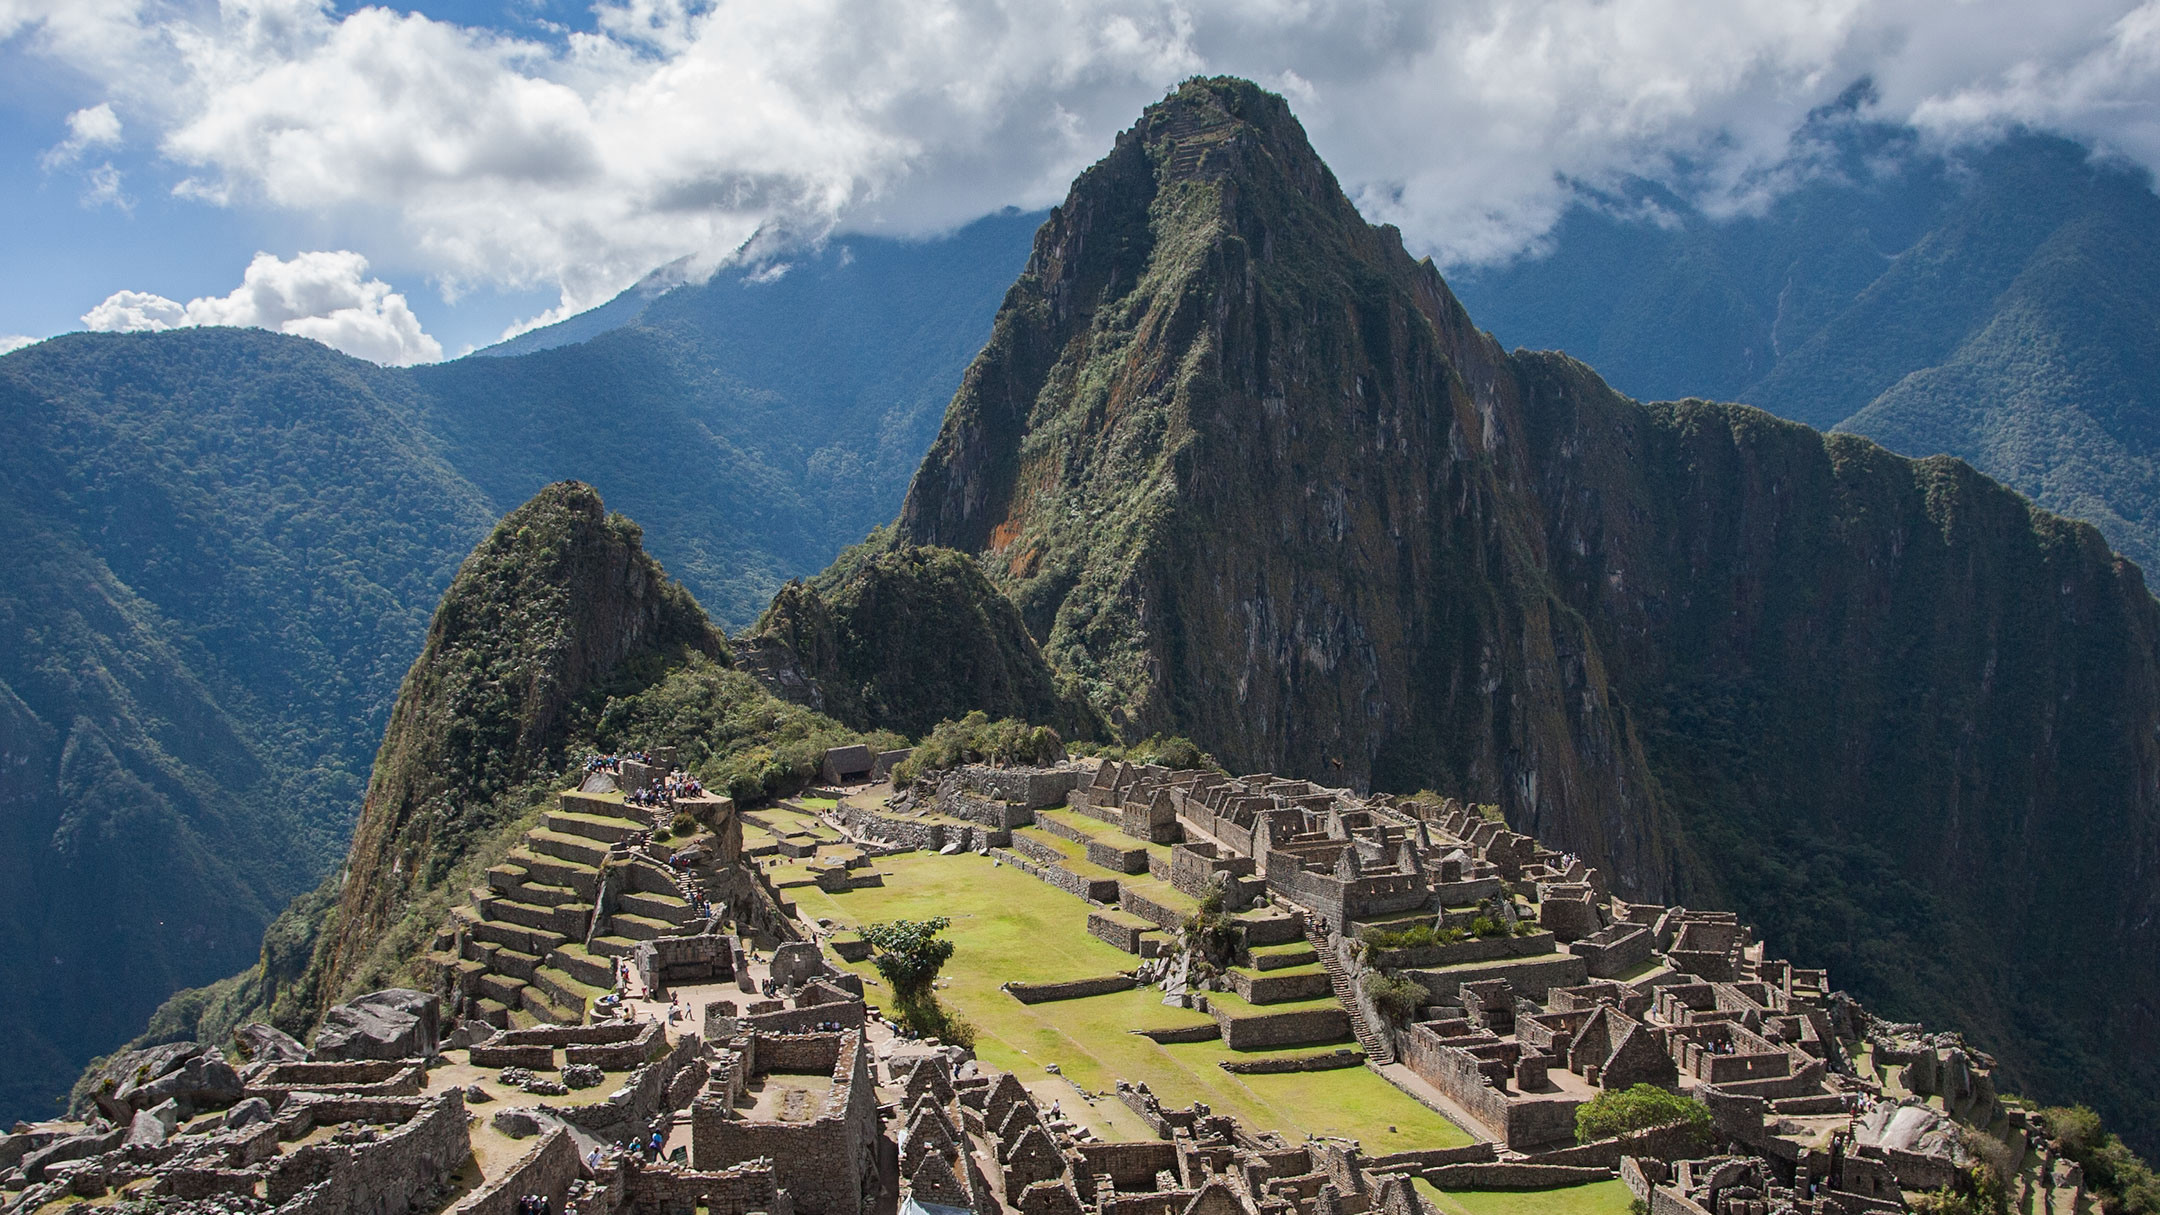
(2125, 1183)
(1638, 1108)
(975, 739)
(905, 637)
(224, 546)
(2001, 305)
(909, 955)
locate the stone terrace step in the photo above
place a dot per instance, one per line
(570, 919)
(591, 826)
(602, 806)
(502, 987)
(502, 959)
(613, 946)
(494, 1012)
(534, 941)
(583, 965)
(577, 848)
(567, 993)
(639, 928)
(668, 907)
(546, 1011)
(1283, 957)
(555, 871)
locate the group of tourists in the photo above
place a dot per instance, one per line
(535, 1204)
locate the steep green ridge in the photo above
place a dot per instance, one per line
(226, 543)
(1999, 306)
(555, 611)
(1251, 475)
(559, 636)
(904, 638)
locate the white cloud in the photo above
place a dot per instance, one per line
(94, 127)
(680, 127)
(325, 296)
(12, 342)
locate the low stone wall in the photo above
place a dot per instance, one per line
(1273, 929)
(1420, 1159)
(536, 1057)
(1117, 857)
(1032, 788)
(1183, 1033)
(1675, 1142)
(1278, 988)
(1094, 890)
(1074, 989)
(389, 1173)
(1500, 1175)
(1326, 1061)
(571, 1035)
(1116, 932)
(620, 1055)
(546, 1170)
(1267, 1030)
(737, 1191)
(1037, 851)
(1532, 977)
(1132, 902)
(914, 833)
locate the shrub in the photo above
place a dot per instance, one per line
(661, 835)
(2126, 1183)
(910, 954)
(1487, 926)
(683, 825)
(1397, 998)
(976, 739)
(1636, 1109)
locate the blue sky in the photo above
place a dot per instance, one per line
(408, 184)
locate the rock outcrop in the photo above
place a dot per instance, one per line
(1251, 474)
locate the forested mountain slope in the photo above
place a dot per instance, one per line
(1251, 475)
(225, 545)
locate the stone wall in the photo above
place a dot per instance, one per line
(1032, 788)
(1614, 951)
(620, 1054)
(1326, 1061)
(1071, 989)
(1116, 857)
(395, 1171)
(1519, 1122)
(1132, 902)
(667, 1190)
(1532, 977)
(535, 1057)
(1510, 1175)
(828, 1165)
(1266, 1030)
(547, 1170)
(1117, 929)
(1280, 988)
(1094, 890)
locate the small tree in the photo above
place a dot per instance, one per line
(1397, 998)
(910, 954)
(1639, 1108)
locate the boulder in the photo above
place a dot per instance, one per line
(196, 1076)
(583, 1075)
(74, 1147)
(397, 1023)
(517, 1124)
(154, 1126)
(259, 1043)
(247, 1113)
(476, 1095)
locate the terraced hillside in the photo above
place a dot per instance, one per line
(539, 942)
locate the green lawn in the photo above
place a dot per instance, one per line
(1009, 926)
(1595, 1198)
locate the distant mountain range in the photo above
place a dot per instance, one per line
(2001, 305)
(224, 544)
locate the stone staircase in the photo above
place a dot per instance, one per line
(528, 947)
(1377, 1048)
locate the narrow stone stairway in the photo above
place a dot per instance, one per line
(1376, 1046)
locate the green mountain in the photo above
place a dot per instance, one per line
(1251, 475)
(226, 545)
(2002, 306)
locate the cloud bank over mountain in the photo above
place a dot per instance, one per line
(579, 160)
(325, 296)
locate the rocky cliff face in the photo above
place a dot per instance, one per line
(1251, 474)
(556, 609)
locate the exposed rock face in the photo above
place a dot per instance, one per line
(195, 1076)
(559, 601)
(1251, 474)
(904, 639)
(394, 1024)
(268, 1044)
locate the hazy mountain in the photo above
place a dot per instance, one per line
(2001, 305)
